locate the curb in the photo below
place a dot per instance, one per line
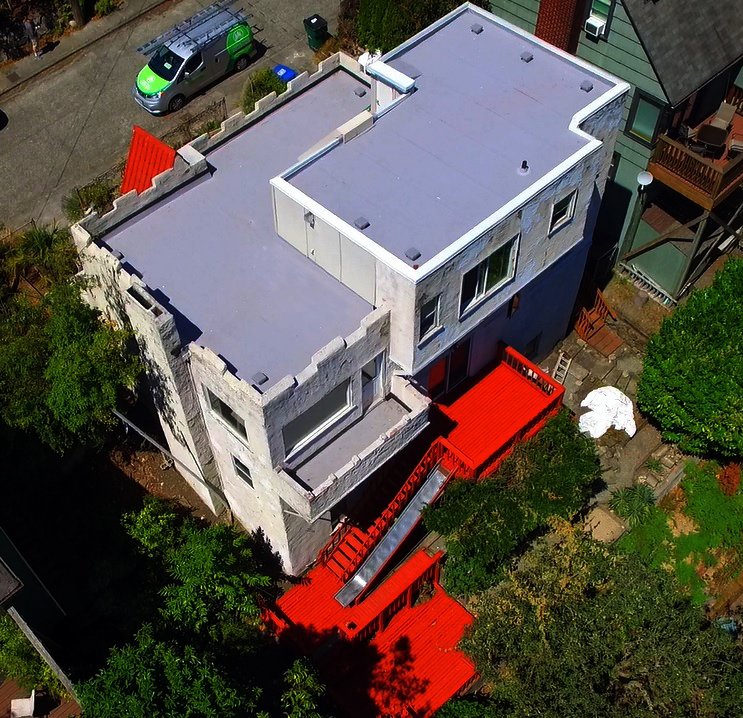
(62, 58)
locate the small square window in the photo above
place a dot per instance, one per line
(226, 413)
(242, 471)
(563, 211)
(429, 316)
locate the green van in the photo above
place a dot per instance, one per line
(192, 55)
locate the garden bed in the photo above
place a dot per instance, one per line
(696, 531)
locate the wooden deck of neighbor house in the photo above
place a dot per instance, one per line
(45, 707)
(392, 649)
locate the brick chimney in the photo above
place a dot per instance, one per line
(559, 22)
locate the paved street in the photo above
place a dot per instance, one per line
(74, 122)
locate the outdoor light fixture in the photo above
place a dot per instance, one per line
(644, 180)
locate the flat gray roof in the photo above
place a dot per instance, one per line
(448, 155)
(235, 286)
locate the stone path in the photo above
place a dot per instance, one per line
(625, 461)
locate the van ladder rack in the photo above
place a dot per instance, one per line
(190, 27)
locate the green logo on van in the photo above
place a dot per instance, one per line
(238, 38)
(149, 83)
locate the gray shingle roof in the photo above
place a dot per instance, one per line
(9, 583)
(688, 41)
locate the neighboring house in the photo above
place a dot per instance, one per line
(683, 59)
(303, 282)
(27, 601)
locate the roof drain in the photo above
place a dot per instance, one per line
(476, 28)
(586, 86)
(526, 57)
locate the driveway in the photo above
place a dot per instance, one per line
(74, 122)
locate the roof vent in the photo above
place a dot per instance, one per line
(586, 86)
(476, 28)
(527, 57)
(412, 254)
(524, 169)
(359, 91)
(258, 378)
(361, 222)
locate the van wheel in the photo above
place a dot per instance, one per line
(242, 63)
(176, 103)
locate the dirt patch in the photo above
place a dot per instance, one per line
(156, 475)
(634, 306)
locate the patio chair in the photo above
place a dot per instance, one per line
(23, 707)
(724, 116)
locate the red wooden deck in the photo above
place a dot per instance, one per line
(495, 411)
(385, 655)
(9, 691)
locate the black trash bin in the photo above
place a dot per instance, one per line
(316, 28)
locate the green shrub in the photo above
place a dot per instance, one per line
(105, 7)
(384, 24)
(97, 195)
(485, 521)
(692, 379)
(19, 660)
(633, 503)
(259, 84)
(48, 249)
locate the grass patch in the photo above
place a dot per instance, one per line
(713, 523)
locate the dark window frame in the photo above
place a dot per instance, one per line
(230, 418)
(609, 18)
(435, 319)
(639, 96)
(242, 471)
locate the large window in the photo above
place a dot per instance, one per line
(298, 432)
(487, 276)
(644, 118)
(226, 413)
(563, 211)
(429, 317)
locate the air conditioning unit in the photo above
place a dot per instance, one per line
(595, 26)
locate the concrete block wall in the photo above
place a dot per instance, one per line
(114, 292)
(335, 363)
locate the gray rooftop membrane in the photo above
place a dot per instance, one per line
(448, 155)
(234, 285)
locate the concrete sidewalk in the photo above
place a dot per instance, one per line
(16, 74)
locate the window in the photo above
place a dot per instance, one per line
(644, 118)
(487, 276)
(563, 211)
(192, 64)
(317, 418)
(429, 317)
(242, 471)
(602, 10)
(226, 414)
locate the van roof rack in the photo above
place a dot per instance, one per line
(200, 29)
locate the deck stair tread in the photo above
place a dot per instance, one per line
(393, 539)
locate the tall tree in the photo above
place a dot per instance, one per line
(578, 630)
(692, 379)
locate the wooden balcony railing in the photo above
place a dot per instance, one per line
(696, 177)
(735, 98)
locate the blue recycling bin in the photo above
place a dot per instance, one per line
(284, 73)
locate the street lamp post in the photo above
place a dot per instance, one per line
(644, 180)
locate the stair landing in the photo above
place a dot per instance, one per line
(605, 341)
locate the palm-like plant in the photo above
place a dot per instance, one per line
(633, 503)
(49, 249)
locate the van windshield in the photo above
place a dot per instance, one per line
(165, 63)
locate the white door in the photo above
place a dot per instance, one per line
(371, 382)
